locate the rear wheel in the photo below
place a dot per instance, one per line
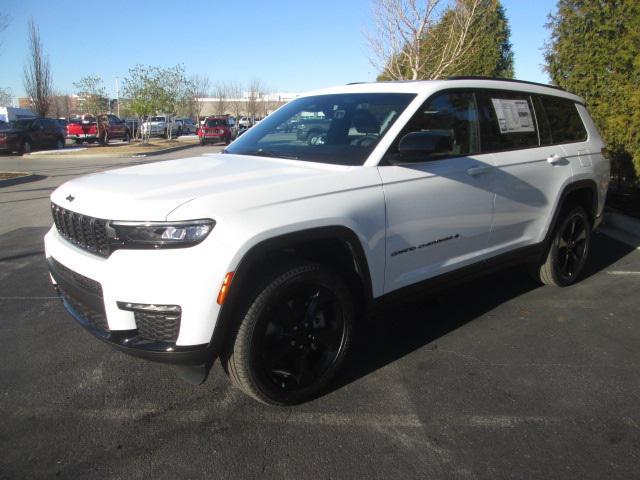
(293, 337)
(569, 249)
(59, 144)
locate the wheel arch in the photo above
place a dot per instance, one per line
(581, 192)
(337, 247)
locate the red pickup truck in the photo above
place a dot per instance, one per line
(86, 129)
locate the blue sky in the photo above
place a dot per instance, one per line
(291, 45)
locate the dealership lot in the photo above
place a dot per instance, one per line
(497, 378)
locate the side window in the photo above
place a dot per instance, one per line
(564, 120)
(507, 121)
(452, 114)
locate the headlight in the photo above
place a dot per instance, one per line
(158, 234)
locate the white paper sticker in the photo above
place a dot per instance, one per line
(514, 116)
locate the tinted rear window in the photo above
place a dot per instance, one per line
(217, 122)
(563, 119)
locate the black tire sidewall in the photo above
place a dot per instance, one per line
(310, 273)
(568, 215)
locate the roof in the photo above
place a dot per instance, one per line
(430, 86)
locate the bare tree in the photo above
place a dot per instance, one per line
(37, 72)
(60, 105)
(420, 39)
(255, 93)
(234, 90)
(221, 94)
(6, 97)
(197, 90)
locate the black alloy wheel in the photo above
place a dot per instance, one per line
(572, 246)
(294, 336)
(568, 250)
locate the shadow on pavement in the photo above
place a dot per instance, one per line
(395, 330)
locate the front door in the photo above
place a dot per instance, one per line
(439, 207)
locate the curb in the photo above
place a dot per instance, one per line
(7, 182)
(622, 222)
(116, 155)
(166, 150)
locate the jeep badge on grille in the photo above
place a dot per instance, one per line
(70, 198)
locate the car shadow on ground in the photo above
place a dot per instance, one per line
(396, 329)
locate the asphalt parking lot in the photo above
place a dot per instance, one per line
(497, 378)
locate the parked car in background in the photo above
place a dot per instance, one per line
(87, 129)
(215, 130)
(312, 129)
(63, 122)
(27, 135)
(186, 126)
(245, 122)
(133, 124)
(159, 126)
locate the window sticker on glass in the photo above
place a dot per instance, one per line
(514, 116)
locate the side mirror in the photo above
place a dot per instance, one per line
(425, 143)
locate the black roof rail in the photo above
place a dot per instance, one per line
(472, 77)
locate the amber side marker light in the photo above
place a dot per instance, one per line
(224, 289)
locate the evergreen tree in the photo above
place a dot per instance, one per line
(595, 53)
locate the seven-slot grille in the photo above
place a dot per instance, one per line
(86, 232)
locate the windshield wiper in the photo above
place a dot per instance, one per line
(261, 152)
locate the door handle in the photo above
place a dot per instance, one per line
(475, 171)
(555, 159)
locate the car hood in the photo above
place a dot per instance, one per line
(228, 182)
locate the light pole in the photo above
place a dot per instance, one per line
(118, 94)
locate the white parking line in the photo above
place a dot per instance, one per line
(621, 272)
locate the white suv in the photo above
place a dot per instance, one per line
(267, 254)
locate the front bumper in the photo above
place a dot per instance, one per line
(87, 307)
(94, 288)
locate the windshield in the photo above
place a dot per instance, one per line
(157, 119)
(341, 128)
(216, 122)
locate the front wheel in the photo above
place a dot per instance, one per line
(127, 137)
(59, 144)
(568, 251)
(293, 337)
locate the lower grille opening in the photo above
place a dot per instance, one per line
(155, 323)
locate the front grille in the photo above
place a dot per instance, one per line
(86, 232)
(97, 318)
(158, 327)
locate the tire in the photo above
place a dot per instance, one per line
(127, 138)
(227, 140)
(569, 249)
(202, 143)
(104, 139)
(293, 336)
(27, 147)
(59, 144)
(78, 142)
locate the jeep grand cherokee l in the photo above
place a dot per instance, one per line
(267, 254)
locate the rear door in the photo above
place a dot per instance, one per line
(438, 207)
(38, 134)
(530, 169)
